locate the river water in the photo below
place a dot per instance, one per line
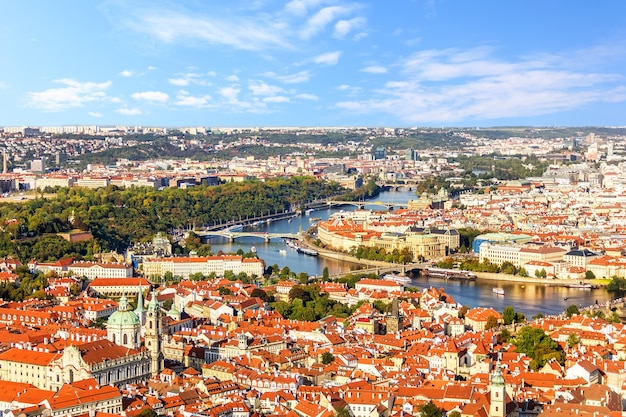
(526, 298)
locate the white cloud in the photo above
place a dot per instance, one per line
(186, 79)
(375, 69)
(260, 88)
(254, 32)
(129, 112)
(344, 27)
(126, 73)
(276, 99)
(453, 85)
(229, 93)
(306, 96)
(232, 78)
(301, 7)
(151, 96)
(94, 114)
(180, 82)
(299, 77)
(73, 94)
(321, 19)
(329, 58)
(183, 98)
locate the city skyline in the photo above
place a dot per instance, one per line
(313, 63)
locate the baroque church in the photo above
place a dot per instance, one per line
(121, 358)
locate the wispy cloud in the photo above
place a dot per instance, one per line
(126, 73)
(72, 94)
(276, 99)
(94, 114)
(375, 69)
(316, 23)
(299, 77)
(329, 58)
(307, 96)
(302, 7)
(151, 96)
(261, 88)
(344, 27)
(185, 79)
(255, 32)
(454, 85)
(129, 111)
(183, 98)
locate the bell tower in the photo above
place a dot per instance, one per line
(152, 339)
(497, 408)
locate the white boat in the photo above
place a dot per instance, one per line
(498, 290)
(282, 251)
(397, 278)
(253, 249)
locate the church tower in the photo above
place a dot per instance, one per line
(140, 310)
(123, 326)
(497, 387)
(154, 329)
(394, 320)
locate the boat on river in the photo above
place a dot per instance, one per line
(397, 278)
(449, 273)
(580, 286)
(498, 291)
(307, 251)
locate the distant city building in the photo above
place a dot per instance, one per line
(38, 166)
(379, 153)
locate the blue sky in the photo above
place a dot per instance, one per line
(313, 63)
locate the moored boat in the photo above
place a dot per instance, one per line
(579, 285)
(397, 278)
(498, 290)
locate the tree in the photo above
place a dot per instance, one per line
(614, 318)
(298, 291)
(343, 412)
(572, 340)
(430, 410)
(147, 412)
(492, 323)
(590, 275)
(538, 316)
(454, 414)
(225, 291)
(617, 284)
(325, 274)
(537, 345)
(504, 336)
(327, 358)
(571, 310)
(508, 315)
(507, 267)
(258, 292)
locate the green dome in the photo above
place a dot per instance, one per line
(174, 313)
(123, 316)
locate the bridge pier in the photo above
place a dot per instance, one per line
(267, 239)
(231, 238)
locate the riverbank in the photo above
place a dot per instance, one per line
(486, 276)
(483, 276)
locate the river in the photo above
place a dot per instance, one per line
(526, 298)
